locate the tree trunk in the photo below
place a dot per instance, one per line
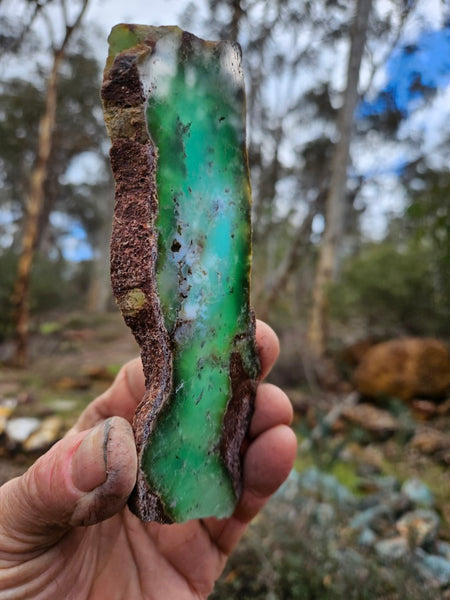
(21, 294)
(277, 286)
(236, 17)
(35, 201)
(99, 292)
(335, 203)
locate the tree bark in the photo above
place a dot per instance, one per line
(21, 295)
(277, 286)
(335, 203)
(99, 292)
(238, 13)
(35, 201)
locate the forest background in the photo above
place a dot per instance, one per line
(348, 109)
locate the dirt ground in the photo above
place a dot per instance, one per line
(73, 358)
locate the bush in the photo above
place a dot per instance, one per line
(55, 284)
(8, 268)
(391, 291)
(288, 555)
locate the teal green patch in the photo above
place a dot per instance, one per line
(195, 116)
(124, 37)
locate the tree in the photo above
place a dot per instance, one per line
(334, 216)
(78, 187)
(382, 301)
(38, 178)
(426, 225)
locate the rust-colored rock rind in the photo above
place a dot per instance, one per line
(121, 85)
(133, 255)
(237, 419)
(238, 415)
(133, 258)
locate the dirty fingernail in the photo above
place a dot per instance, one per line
(89, 463)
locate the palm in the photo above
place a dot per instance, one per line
(119, 557)
(125, 558)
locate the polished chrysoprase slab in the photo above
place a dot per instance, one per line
(181, 249)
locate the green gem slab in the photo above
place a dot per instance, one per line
(174, 107)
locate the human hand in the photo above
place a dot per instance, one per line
(65, 529)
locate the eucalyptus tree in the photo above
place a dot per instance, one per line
(46, 128)
(36, 193)
(335, 201)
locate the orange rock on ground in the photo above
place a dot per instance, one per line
(405, 368)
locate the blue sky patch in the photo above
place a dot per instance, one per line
(413, 71)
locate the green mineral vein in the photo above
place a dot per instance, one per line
(196, 117)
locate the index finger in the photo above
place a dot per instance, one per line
(128, 389)
(268, 346)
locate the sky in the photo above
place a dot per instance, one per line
(416, 84)
(417, 87)
(148, 12)
(412, 70)
(107, 13)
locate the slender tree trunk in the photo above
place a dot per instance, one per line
(99, 292)
(335, 203)
(238, 13)
(21, 294)
(279, 283)
(35, 200)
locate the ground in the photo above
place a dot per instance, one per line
(75, 357)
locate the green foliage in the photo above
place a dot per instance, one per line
(21, 104)
(287, 556)
(427, 216)
(55, 284)
(50, 328)
(79, 132)
(8, 266)
(391, 291)
(48, 284)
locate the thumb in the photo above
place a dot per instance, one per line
(83, 479)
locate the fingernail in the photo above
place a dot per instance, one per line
(89, 463)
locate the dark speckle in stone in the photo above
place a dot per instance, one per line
(175, 246)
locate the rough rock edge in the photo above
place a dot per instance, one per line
(133, 256)
(133, 264)
(238, 413)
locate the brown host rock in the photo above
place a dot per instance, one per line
(405, 368)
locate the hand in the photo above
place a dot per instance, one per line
(65, 529)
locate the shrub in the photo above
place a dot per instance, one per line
(390, 291)
(55, 284)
